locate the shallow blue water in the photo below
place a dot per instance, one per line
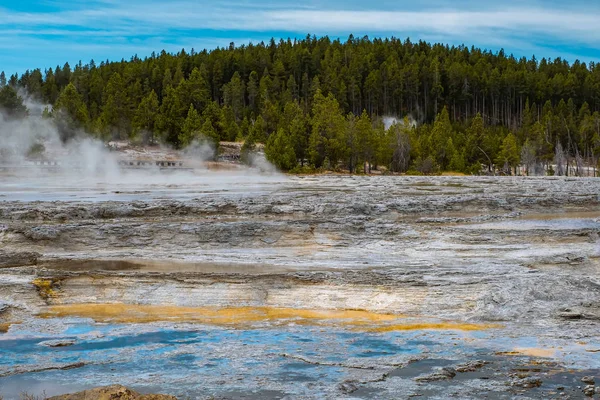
(194, 361)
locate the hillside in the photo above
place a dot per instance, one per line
(323, 103)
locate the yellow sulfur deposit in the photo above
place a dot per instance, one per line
(132, 313)
(44, 288)
(450, 326)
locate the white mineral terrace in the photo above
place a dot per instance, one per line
(309, 287)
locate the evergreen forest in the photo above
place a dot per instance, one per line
(320, 104)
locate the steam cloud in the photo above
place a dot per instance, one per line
(389, 121)
(34, 158)
(25, 143)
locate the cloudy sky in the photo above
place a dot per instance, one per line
(44, 33)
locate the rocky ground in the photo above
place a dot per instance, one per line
(511, 257)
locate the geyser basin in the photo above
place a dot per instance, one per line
(208, 287)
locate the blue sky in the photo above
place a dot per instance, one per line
(44, 33)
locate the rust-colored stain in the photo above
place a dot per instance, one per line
(232, 316)
(5, 326)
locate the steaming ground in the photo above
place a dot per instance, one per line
(37, 164)
(310, 287)
(36, 158)
(131, 185)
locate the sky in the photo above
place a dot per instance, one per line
(46, 33)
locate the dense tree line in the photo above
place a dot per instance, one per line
(323, 103)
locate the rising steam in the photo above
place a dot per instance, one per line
(389, 121)
(33, 157)
(29, 144)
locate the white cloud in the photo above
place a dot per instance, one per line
(523, 26)
(574, 25)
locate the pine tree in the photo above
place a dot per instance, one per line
(196, 89)
(457, 162)
(367, 141)
(146, 115)
(210, 134)
(353, 151)
(326, 139)
(258, 131)
(244, 129)
(214, 114)
(478, 148)
(437, 89)
(115, 113)
(170, 120)
(50, 88)
(167, 82)
(299, 132)
(509, 153)
(441, 133)
(192, 127)
(230, 126)
(253, 91)
(70, 112)
(279, 150)
(234, 95)
(11, 104)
